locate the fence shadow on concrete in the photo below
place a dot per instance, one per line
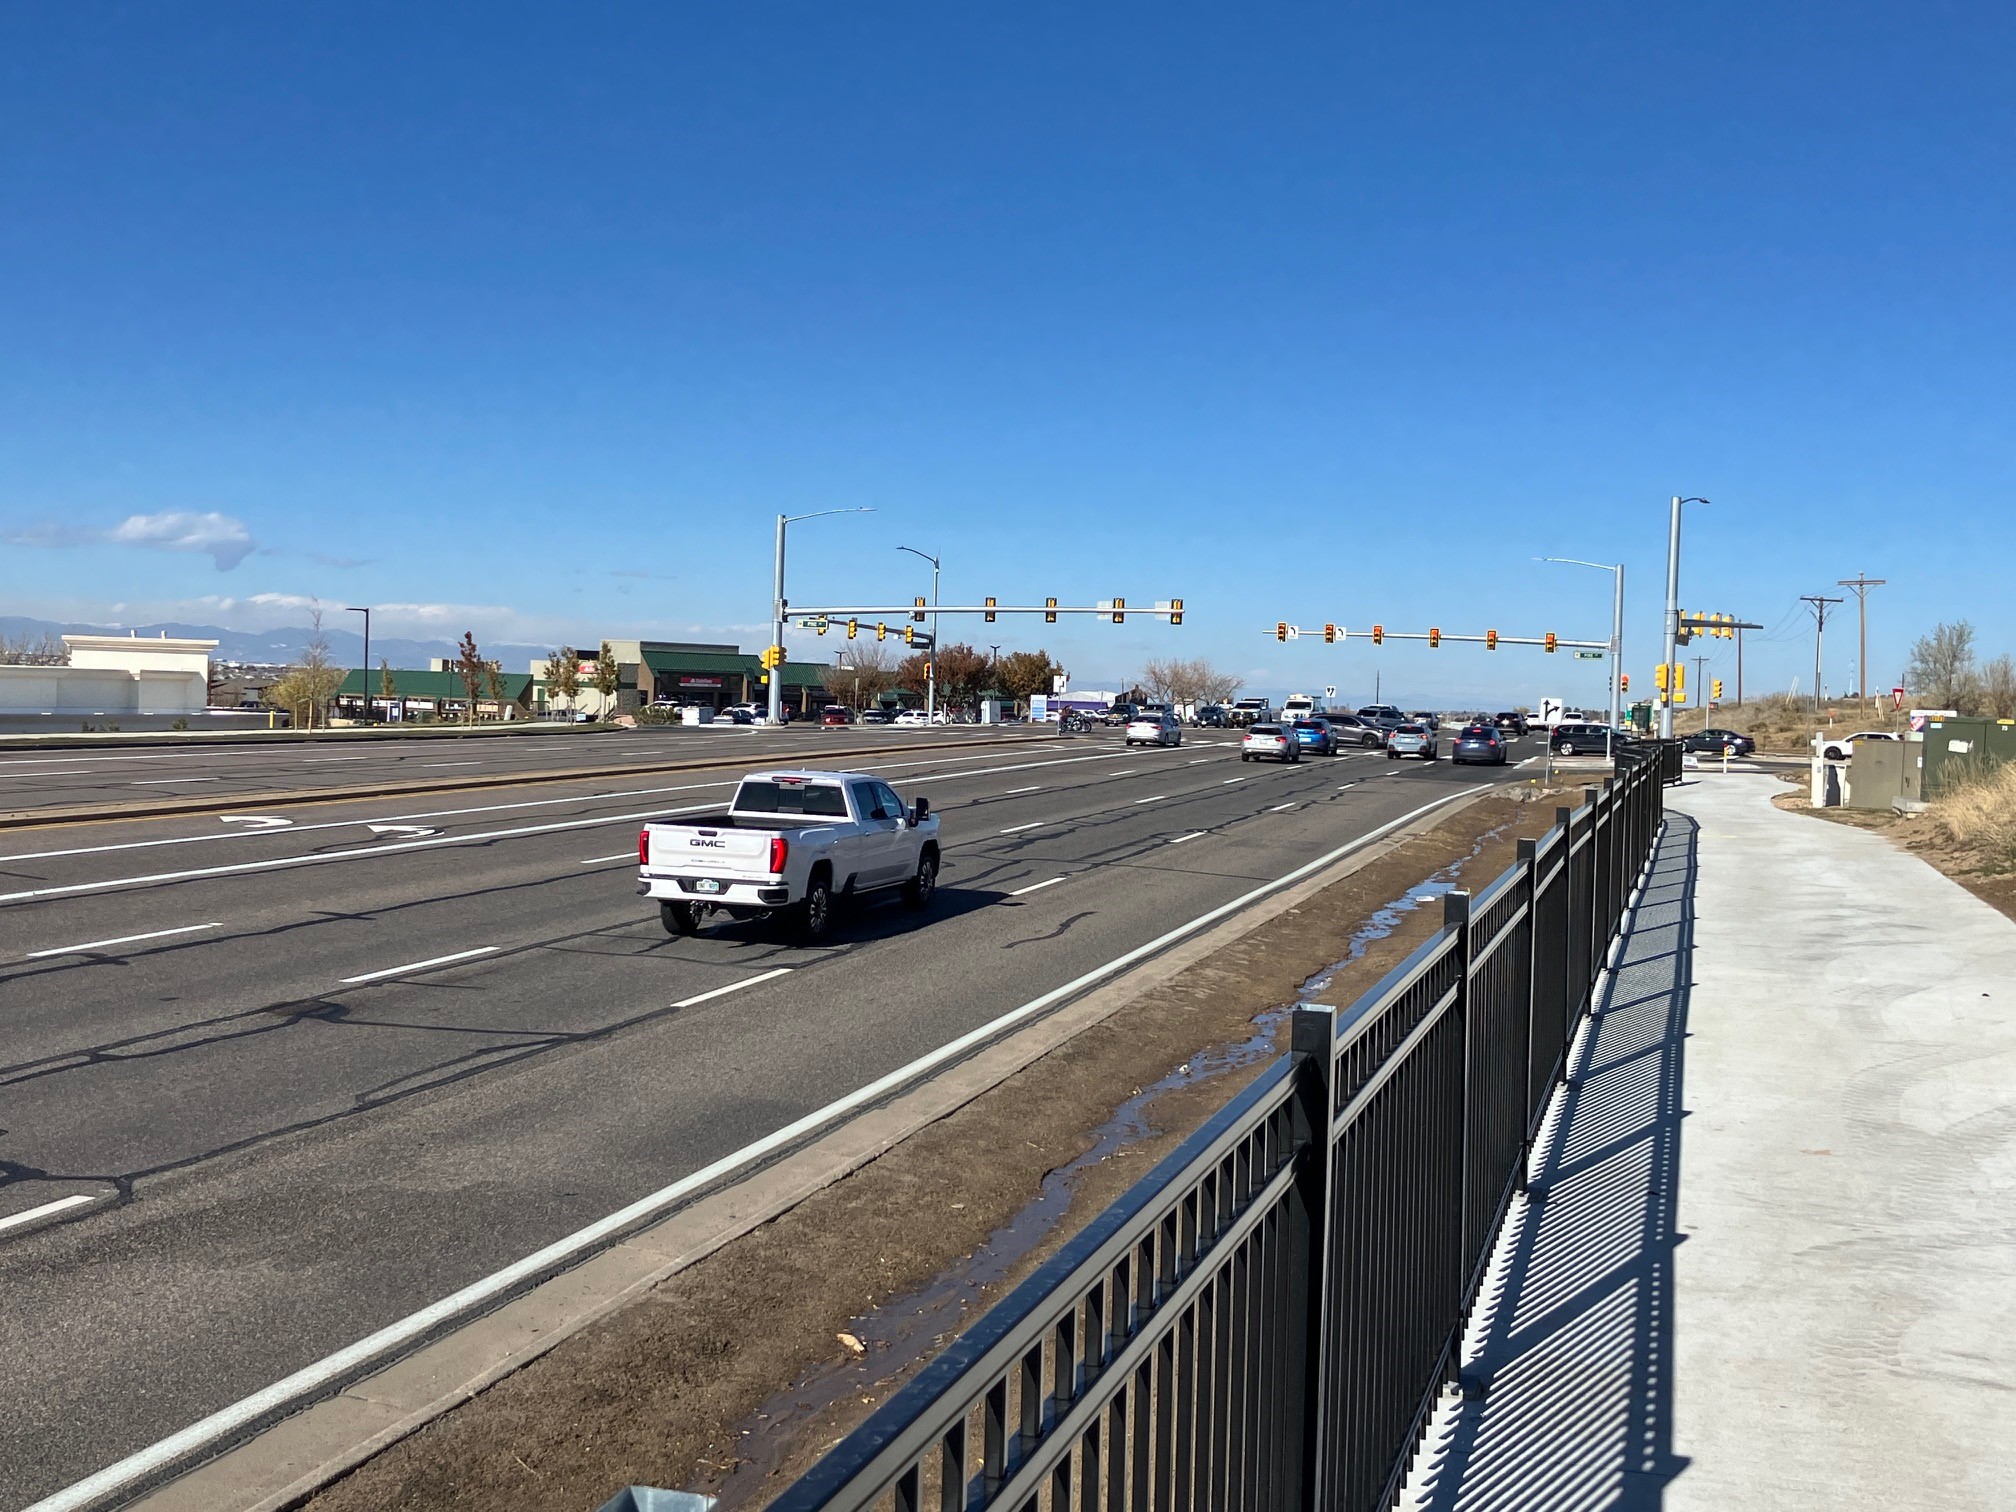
(1568, 1365)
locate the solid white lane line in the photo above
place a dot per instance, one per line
(450, 763)
(626, 855)
(164, 781)
(1282, 807)
(1343, 785)
(460, 955)
(326, 760)
(701, 997)
(1156, 799)
(1230, 780)
(1033, 788)
(1037, 886)
(1199, 760)
(157, 934)
(1033, 824)
(61, 1204)
(1129, 772)
(1194, 835)
(59, 772)
(311, 1378)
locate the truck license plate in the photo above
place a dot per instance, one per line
(707, 885)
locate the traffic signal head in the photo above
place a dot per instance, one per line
(1329, 635)
(1679, 676)
(1281, 630)
(1728, 627)
(917, 613)
(853, 628)
(909, 635)
(1049, 611)
(1118, 605)
(881, 631)
(1491, 641)
(1660, 677)
(1434, 636)
(1684, 635)
(989, 616)
(1175, 611)
(1378, 635)
(1715, 688)
(824, 626)
(1624, 682)
(1553, 641)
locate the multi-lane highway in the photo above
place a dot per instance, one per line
(138, 773)
(268, 1088)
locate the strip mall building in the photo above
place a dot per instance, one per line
(682, 672)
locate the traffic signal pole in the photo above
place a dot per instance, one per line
(777, 608)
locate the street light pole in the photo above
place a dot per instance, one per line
(1672, 612)
(367, 658)
(931, 662)
(780, 606)
(1616, 641)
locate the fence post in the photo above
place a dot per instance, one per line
(1313, 1037)
(1456, 916)
(1529, 853)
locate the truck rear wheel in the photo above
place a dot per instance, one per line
(678, 918)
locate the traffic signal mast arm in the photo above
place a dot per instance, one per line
(1438, 637)
(1172, 610)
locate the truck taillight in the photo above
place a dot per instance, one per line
(644, 847)
(779, 849)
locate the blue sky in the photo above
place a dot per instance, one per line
(531, 319)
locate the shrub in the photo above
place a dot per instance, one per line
(1978, 810)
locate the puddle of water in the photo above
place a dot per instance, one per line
(907, 1331)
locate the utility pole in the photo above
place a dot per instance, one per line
(1819, 601)
(1862, 583)
(1701, 687)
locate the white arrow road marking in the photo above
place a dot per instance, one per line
(264, 821)
(401, 829)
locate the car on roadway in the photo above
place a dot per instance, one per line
(1248, 711)
(836, 714)
(1118, 714)
(1314, 735)
(1841, 747)
(734, 714)
(875, 716)
(1715, 742)
(1155, 729)
(1423, 717)
(1349, 729)
(1586, 740)
(1269, 740)
(1512, 722)
(1297, 706)
(1386, 717)
(1479, 744)
(790, 844)
(1210, 717)
(1412, 739)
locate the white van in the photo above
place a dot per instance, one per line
(1297, 706)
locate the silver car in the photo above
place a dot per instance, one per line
(1411, 740)
(1155, 729)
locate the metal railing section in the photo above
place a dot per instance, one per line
(1265, 1320)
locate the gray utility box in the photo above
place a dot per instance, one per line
(1883, 770)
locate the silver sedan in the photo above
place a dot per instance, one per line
(1412, 740)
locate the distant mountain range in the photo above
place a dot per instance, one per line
(278, 647)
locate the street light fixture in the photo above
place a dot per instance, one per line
(1672, 611)
(352, 609)
(931, 677)
(780, 606)
(1616, 643)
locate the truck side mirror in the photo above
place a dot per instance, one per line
(918, 810)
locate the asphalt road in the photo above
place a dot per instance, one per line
(275, 1157)
(53, 779)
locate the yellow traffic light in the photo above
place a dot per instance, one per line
(917, 613)
(1118, 605)
(1679, 676)
(1175, 611)
(1661, 676)
(1281, 630)
(853, 628)
(1378, 635)
(1329, 635)
(1434, 636)
(824, 626)
(1728, 627)
(909, 635)
(1553, 641)
(1049, 611)
(881, 631)
(1715, 689)
(1491, 641)
(989, 616)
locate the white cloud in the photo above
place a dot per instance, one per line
(223, 537)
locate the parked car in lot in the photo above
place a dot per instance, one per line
(789, 845)
(1412, 739)
(1155, 729)
(1349, 729)
(1479, 744)
(1314, 735)
(875, 716)
(911, 717)
(1586, 740)
(1269, 740)
(836, 714)
(1841, 747)
(734, 714)
(1715, 742)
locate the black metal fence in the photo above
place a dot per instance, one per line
(1265, 1321)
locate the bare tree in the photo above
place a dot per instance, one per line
(44, 650)
(872, 669)
(471, 667)
(1941, 672)
(1192, 681)
(1998, 687)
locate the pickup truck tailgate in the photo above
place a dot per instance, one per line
(694, 850)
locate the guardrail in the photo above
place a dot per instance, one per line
(1265, 1320)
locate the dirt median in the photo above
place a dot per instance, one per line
(685, 1388)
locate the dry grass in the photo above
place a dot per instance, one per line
(1978, 812)
(1786, 724)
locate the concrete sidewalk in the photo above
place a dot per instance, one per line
(1772, 1262)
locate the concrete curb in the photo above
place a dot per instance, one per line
(296, 797)
(126, 739)
(284, 1465)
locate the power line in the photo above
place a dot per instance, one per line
(1862, 584)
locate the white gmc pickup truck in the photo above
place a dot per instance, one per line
(789, 844)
